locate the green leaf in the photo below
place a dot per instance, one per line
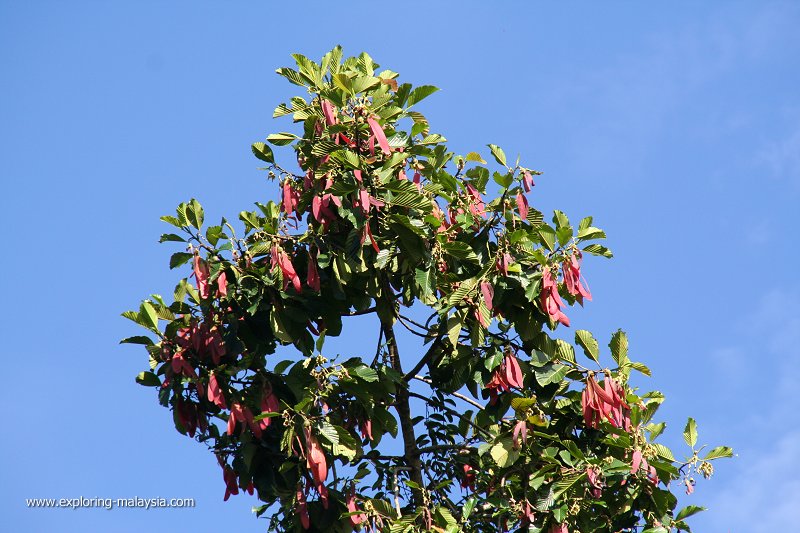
(479, 177)
(547, 235)
(460, 250)
(640, 367)
(364, 373)
(498, 153)
(718, 452)
(347, 157)
(655, 430)
(468, 507)
(362, 83)
(591, 233)
(574, 450)
(181, 211)
(413, 201)
(454, 325)
(596, 249)
(414, 225)
(172, 220)
(263, 152)
(551, 374)
(503, 180)
(560, 219)
(664, 452)
(690, 432)
(420, 93)
(535, 217)
(433, 138)
(493, 360)
(178, 259)
(281, 367)
(328, 432)
(476, 157)
(171, 237)
(131, 315)
(619, 347)
(426, 282)
(590, 347)
(563, 485)
(504, 453)
(688, 511)
(444, 514)
(278, 328)
(293, 76)
(281, 139)
(148, 316)
(324, 147)
(564, 234)
(269, 414)
(383, 258)
(520, 405)
(214, 234)
(565, 351)
(461, 292)
(280, 111)
(343, 82)
(137, 339)
(148, 379)
(347, 446)
(250, 219)
(194, 213)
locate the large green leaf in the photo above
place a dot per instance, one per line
(688, 511)
(586, 340)
(263, 152)
(148, 379)
(563, 485)
(690, 432)
(460, 250)
(504, 453)
(718, 452)
(619, 347)
(148, 316)
(553, 373)
(420, 93)
(498, 153)
(282, 138)
(596, 249)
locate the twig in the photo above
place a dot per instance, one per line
(456, 394)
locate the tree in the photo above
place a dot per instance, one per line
(489, 423)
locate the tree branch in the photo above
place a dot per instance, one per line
(456, 394)
(403, 408)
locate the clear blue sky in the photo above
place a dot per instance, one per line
(677, 127)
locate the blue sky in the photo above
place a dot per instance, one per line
(677, 127)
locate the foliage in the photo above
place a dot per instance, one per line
(495, 423)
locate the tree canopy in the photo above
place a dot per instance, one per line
(490, 422)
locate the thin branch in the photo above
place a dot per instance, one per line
(451, 411)
(378, 348)
(418, 334)
(440, 447)
(425, 327)
(456, 394)
(364, 312)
